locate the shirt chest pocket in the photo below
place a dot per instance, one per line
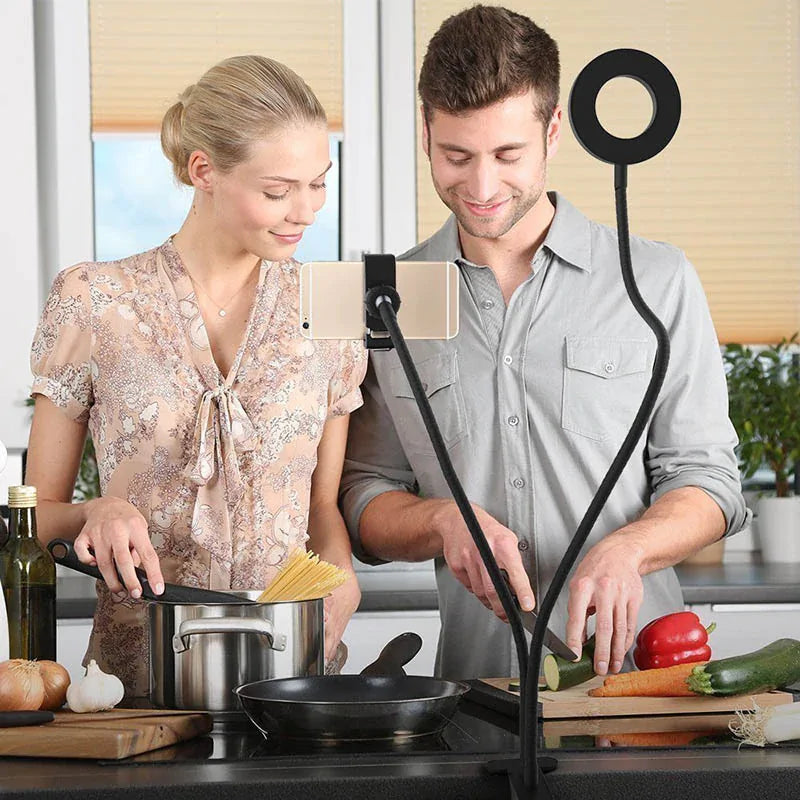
(439, 376)
(604, 382)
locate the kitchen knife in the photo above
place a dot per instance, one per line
(16, 719)
(551, 641)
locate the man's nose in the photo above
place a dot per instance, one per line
(483, 184)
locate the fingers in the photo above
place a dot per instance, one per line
(148, 559)
(518, 578)
(580, 595)
(121, 551)
(105, 563)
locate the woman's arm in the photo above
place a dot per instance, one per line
(106, 530)
(327, 533)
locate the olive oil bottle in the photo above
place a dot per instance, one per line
(28, 575)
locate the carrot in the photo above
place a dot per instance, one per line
(661, 682)
(660, 739)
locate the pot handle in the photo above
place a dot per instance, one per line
(195, 627)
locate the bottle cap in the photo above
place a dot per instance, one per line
(21, 496)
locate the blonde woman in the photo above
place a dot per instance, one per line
(219, 430)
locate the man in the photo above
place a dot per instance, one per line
(536, 393)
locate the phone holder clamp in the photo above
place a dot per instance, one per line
(379, 286)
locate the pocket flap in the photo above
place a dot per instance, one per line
(435, 373)
(607, 358)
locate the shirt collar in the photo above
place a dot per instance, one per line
(569, 236)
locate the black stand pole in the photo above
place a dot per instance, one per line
(526, 774)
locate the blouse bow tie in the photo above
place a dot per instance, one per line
(222, 432)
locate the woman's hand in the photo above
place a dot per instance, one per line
(116, 533)
(340, 605)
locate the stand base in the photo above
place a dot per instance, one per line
(513, 768)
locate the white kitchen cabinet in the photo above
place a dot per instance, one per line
(744, 627)
(72, 638)
(369, 631)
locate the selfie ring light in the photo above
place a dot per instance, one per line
(663, 90)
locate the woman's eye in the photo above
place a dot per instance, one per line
(276, 196)
(319, 185)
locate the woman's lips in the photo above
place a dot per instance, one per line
(286, 239)
(480, 210)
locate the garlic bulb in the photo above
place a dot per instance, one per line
(96, 691)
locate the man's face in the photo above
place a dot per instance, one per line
(489, 166)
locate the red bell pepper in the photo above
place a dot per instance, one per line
(677, 638)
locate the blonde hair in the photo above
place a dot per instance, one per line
(238, 101)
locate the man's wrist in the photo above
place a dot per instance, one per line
(440, 520)
(634, 539)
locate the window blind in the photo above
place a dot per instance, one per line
(727, 188)
(145, 53)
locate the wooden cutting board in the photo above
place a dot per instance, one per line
(106, 735)
(575, 702)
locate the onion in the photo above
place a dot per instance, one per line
(56, 680)
(21, 685)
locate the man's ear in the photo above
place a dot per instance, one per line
(426, 134)
(554, 132)
(200, 170)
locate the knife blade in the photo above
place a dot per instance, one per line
(551, 641)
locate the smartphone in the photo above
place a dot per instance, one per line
(332, 299)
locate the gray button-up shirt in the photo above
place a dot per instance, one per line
(534, 400)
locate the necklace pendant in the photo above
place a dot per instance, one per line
(222, 312)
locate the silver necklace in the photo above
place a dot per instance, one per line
(221, 308)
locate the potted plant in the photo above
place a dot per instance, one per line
(764, 400)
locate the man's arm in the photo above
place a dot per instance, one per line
(609, 579)
(693, 471)
(387, 521)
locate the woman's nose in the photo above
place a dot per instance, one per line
(302, 212)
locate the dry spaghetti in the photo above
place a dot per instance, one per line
(303, 577)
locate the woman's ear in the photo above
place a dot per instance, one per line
(200, 171)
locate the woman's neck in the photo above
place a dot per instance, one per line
(210, 256)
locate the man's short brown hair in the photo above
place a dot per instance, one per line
(486, 54)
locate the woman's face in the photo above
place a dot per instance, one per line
(265, 204)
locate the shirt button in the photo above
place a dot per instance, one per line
(609, 367)
(487, 304)
(424, 387)
(518, 483)
(513, 420)
(523, 545)
(507, 359)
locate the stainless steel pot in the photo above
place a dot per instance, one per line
(200, 652)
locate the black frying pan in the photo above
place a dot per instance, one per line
(380, 703)
(64, 553)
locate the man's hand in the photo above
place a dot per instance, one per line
(607, 583)
(464, 560)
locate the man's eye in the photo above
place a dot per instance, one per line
(319, 185)
(508, 160)
(457, 161)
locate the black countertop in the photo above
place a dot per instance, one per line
(747, 581)
(704, 774)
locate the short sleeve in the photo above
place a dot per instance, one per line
(344, 392)
(61, 353)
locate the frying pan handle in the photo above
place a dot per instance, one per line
(70, 558)
(198, 627)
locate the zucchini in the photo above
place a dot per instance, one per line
(562, 674)
(773, 666)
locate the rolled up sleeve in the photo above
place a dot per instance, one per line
(691, 439)
(375, 462)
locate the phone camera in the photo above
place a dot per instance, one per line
(305, 325)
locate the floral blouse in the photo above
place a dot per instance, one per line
(219, 466)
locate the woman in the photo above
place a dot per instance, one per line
(219, 430)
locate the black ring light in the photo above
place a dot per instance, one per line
(658, 81)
